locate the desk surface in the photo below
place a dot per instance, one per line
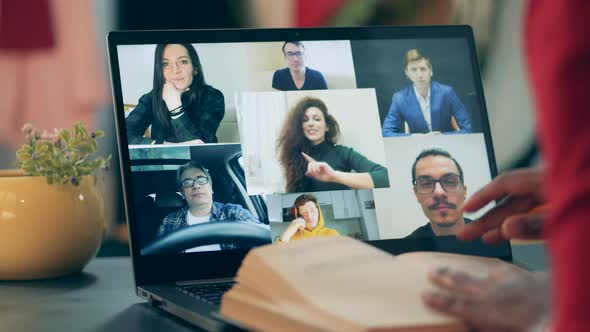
(102, 299)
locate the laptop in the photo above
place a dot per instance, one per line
(232, 139)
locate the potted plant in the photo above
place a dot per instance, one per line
(51, 211)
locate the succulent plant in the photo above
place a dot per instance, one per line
(62, 156)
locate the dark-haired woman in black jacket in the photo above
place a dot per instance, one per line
(181, 107)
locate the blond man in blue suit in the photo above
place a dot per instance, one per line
(426, 106)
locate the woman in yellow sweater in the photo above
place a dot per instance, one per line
(308, 222)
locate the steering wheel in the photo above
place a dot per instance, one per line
(241, 233)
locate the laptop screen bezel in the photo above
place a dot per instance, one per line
(223, 264)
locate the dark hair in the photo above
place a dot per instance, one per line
(435, 152)
(301, 200)
(191, 98)
(292, 142)
(191, 164)
(415, 55)
(294, 42)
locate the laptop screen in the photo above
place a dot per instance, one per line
(231, 144)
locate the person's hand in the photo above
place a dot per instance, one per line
(520, 191)
(194, 141)
(171, 96)
(319, 170)
(507, 300)
(293, 227)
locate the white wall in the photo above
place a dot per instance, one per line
(398, 211)
(332, 58)
(136, 68)
(261, 118)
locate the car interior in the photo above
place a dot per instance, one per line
(156, 193)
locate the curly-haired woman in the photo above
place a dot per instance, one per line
(311, 159)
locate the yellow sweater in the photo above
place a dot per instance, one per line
(319, 230)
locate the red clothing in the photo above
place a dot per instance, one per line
(314, 13)
(558, 54)
(25, 25)
(51, 87)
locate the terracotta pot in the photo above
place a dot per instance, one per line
(47, 230)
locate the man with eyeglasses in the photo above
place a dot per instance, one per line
(196, 189)
(296, 76)
(438, 185)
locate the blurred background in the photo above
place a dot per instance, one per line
(53, 61)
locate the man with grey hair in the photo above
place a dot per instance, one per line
(195, 184)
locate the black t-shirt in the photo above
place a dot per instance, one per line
(314, 80)
(426, 230)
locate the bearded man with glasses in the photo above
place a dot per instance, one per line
(196, 189)
(439, 188)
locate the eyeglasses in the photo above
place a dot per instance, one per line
(200, 180)
(292, 55)
(450, 183)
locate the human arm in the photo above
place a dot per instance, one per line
(362, 165)
(140, 118)
(293, 228)
(322, 171)
(368, 175)
(162, 229)
(460, 113)
(393, 124)
(277, 81)
(194, 141)
(172, 95)
(274, 81)
(211, 113)
(171, 223)
(321, 81)
(236, 212)
(508, 299)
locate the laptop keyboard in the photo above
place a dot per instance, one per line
(210, 292)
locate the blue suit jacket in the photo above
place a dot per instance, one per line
(444, 103)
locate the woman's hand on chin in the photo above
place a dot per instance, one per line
(171, 96)
(320, 170)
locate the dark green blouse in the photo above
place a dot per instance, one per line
(344, 159)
